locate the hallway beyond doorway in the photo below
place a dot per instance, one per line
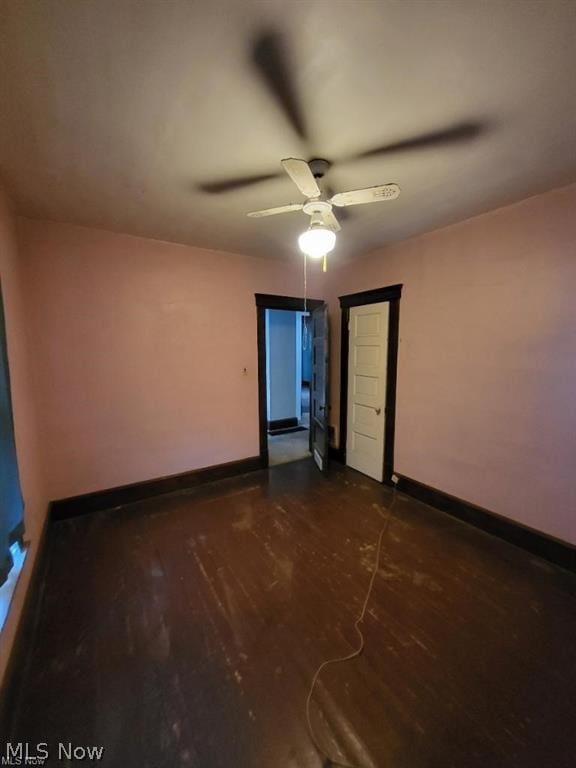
(288, 366)
(292, 444)
(289, 447)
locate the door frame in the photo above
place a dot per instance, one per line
(266, 301)
(390, 294)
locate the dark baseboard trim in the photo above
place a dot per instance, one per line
(554, 550)
(126, 494)
(276, 424)
(23, 638)
(288, 431)
(336, 454)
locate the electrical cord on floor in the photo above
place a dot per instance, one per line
(330, 761)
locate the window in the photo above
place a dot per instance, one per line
(11, 502)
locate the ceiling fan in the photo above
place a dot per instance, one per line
(270, 59)
(320, 238)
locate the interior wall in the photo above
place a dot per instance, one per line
(487, 366)
(25, 426)
(139, 349)
(281, 346)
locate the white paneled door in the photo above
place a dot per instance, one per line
(367, 357)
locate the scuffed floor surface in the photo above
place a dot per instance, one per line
(292, 446)
(184, 632)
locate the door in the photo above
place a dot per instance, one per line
(319, 388)
(367, 356)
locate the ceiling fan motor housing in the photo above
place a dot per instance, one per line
(319, 167)
(316, 209)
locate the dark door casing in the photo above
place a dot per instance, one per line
(319, 393)
(392, 294)
(266, 301)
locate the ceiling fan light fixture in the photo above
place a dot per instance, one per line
(317, 241)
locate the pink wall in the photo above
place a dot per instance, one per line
(24, 416)
(487, 362)
(138, 348)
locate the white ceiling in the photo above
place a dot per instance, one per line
(113, 111)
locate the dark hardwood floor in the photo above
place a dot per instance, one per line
(184, 631)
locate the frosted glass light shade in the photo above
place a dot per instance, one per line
(317, 242)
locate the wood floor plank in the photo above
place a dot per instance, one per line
(184, 631)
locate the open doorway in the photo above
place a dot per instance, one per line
(288, 365)
(286, 374)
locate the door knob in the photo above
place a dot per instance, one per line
(377, 411)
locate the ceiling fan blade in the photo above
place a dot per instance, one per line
(331, 221)
(443, 137)
(300, 173)
(272, 63)
(368, 195)
(343, 215)
(273, 211)
(229, 185)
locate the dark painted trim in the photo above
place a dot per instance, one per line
(547, 547)
(24, 637)
(391, 379)
(392, 295)
(5, 567)
(283, 423)
(336, 454)
(17, 534)
(373, 296)
(271, 301)
(262, 386)
(344, 352)
(288, 431)
(266, 301)
(126, 494)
